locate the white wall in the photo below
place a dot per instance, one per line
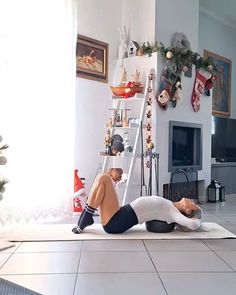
(183, 16)
(139, 17)
(99, 21)
(177, 16)
(94, 98)
(219, 38)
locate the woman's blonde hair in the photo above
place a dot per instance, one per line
(116, 169)
(196, 214)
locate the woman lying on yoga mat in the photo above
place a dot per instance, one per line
(117, 219)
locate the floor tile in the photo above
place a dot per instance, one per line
(119, 283)
(41, 263)
(231, 228)
(62, 246)
(223, 211)
(115, 262)
(113, 245)
(229, 257)
(188, 261)
(175, 245)
(199, 283)
(215, 219)
(50, 284)
(3, 258)
(230, 219)
(221, 245)
(10, 247)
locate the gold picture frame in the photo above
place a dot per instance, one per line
(91, 59)
(221, 94)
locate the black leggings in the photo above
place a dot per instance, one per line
(121, 221)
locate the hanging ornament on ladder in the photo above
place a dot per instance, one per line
(149, 154)
(148, 113)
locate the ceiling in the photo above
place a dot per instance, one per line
(224, 10)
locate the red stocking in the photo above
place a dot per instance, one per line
(201, 77)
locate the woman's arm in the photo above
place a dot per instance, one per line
(191, 223)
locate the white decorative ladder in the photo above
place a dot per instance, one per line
(141, 98)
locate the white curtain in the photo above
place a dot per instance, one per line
(37, 107)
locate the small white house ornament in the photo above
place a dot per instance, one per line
(132, 48)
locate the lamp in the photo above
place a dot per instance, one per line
(216, 192)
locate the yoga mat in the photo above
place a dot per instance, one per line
(62, 232)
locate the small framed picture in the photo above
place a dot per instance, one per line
(91, 59)
(221, 94)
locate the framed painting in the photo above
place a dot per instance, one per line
(91, 59)
(221, 94)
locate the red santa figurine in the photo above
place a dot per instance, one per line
(79, 196)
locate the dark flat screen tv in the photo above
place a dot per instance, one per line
(185, 146)
(223, 139)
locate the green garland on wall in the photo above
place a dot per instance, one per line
(182, 57)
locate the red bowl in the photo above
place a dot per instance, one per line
(124, 91)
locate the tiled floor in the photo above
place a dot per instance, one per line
(160, 267)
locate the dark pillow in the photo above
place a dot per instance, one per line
(158, 226)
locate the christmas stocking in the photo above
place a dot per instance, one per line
(201, 77)
(165, 92)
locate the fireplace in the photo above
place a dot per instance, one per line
(185, 146)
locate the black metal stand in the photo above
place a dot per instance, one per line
(143, 185)
(185, 172)
(152, 157)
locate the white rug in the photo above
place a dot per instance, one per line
(62, 232)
